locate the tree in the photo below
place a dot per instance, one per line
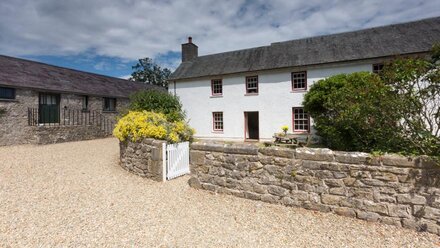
(417, 82)
(398, 111)
(149, 72)
(159, 102)
(355, 112)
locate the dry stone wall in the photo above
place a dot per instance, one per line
(390, 189)
(58, 134)
(143, 158)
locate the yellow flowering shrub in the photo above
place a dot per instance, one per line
(143, 124)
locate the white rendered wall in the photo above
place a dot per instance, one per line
(274, 101)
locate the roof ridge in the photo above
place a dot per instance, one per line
(238, 50)
(320, 36)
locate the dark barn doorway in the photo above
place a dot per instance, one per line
(49, 108)
(251, 125)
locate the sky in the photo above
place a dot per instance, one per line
(108, 36)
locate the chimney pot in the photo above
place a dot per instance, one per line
(190, 39)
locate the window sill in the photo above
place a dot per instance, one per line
(251, 94)
(218, 132)
(8, 100)
(85, 110)
(216, 96)
(298, 91)
(301, 132)
(109, 111)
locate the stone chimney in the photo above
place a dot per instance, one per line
(189, 50)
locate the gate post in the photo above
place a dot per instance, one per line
(164, 162)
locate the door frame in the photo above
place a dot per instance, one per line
(40, 104)
(246, 125)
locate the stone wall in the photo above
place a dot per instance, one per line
(72, 101)
(14, 128)
(389, 189)
(143, 158)
(57, 134)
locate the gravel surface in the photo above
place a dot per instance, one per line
(75, 194)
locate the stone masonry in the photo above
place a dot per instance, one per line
(143, 158)
(390, 189)
(14, 128)
(58, 134)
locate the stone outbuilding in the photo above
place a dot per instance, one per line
(41, 103)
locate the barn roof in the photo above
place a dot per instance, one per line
(391, 40)
(20, 73)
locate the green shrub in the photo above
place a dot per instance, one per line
(355, 112)
(159, 102)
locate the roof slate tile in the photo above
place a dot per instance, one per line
(20, 73)
(391, 40)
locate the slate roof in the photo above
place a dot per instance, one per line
(20, 73)
(391, 40)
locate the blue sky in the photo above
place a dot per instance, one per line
(106, 65)
(108, 36)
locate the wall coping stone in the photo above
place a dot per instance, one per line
(247, 149)
(277, 151)
(158, 143)
(397, 160)
(211, 147)
(238, 149)
(317, 154)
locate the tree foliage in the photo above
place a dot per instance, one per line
(354, 112)
(159, 102)
(417, 83)
(397, 111)
(151, 73)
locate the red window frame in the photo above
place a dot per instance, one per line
(212, 87)
(293, 80)
(216, 128)
(303, 119)
(247, 88)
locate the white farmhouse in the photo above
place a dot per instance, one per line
(249, 94)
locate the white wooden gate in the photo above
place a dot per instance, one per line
(176, 159)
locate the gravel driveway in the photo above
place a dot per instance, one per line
(75, 194)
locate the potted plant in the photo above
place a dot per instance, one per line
(285, 128)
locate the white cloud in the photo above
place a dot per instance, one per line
(125, 77)
(132, 29)
(102, 66)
